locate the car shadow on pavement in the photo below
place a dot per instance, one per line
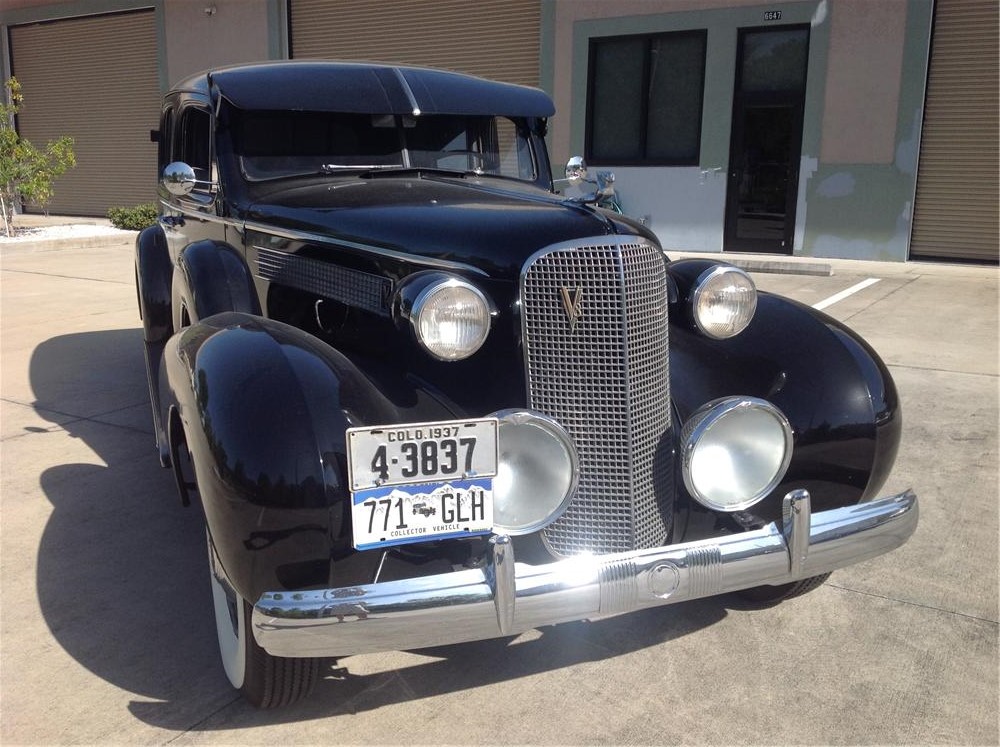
(121, 573)
(123, 584)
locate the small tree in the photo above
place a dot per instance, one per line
(25, 171)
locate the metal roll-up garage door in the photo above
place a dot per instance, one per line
(958, 180)
(493, 40)
(96, 80)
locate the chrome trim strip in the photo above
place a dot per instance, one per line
(408, 91)
(414, 259)
(198, 215)
(507, 598)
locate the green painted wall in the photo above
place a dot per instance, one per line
(861, 211)
(865, 211)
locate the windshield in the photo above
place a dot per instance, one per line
(272, 145)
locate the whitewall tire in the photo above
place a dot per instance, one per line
(266, 681)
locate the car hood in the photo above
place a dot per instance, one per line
(489, 224)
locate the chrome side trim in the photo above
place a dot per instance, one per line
(408, 91)
(507, 598)
(189, 212)
(402, 256)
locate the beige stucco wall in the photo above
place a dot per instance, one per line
(864, 64)
(236, 31)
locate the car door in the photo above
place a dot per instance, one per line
(194, 216)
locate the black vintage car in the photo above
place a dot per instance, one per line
(424, 399)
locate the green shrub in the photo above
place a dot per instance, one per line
(133, 218)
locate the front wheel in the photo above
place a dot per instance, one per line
(266, 681)
(766, 596)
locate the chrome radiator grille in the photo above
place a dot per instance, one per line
(605, 379)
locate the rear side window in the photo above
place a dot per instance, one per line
(166, 137)
(195, 137)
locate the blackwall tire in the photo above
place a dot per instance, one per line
(265, 681)
(766, 596)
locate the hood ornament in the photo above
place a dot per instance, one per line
(572, 300)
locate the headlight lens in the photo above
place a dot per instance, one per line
(724, 301)
(451, 319)
(536, 475)
(735, 452)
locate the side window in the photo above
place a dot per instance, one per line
(644, 102)
(166, 138)
(195, 137)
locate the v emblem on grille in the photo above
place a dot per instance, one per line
(573, 303)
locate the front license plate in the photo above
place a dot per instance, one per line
(421, 452)
(421, 481)
(396, 515)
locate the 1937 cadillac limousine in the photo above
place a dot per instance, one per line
(424, 399)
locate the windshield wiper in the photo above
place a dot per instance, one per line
(396, 170)
(335, 168)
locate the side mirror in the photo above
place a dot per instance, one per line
(178, 178)
(576, 169)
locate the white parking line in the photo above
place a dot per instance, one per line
(844, 294)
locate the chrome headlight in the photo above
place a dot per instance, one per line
(450, 318)
(536, 474)
(734, 452)
(723, 301)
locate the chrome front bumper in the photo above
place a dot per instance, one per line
(505, 597)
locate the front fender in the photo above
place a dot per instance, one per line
(837, 394)
(263, 407)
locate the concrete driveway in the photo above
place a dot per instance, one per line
(106, 633)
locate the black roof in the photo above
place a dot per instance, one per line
(367, 88)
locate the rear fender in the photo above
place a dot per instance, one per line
(153, 272)
(211, 277)
(153, 276)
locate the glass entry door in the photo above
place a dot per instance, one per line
(766, 142)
